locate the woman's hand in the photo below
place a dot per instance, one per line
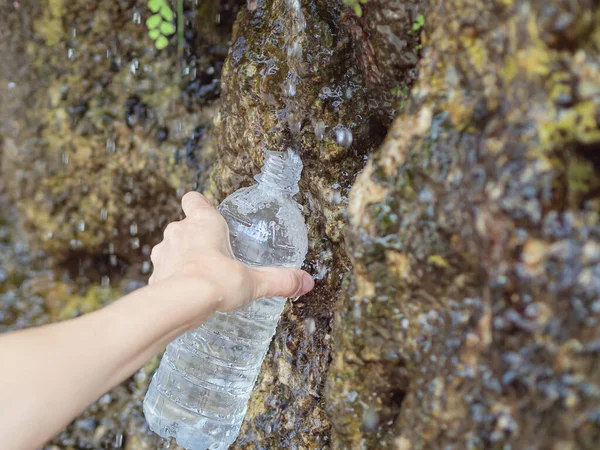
(194, 275)
(198, 248)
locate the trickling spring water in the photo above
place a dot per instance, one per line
(295, 65)
(200, 392)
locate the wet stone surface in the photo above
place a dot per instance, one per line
(100, 135)
(292, 81)
(108, 131)
(458, 309)
(32, 293)
(473, 318)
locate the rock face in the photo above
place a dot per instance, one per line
(291, 82)
(108, 130)
(474, 233)
(100, 134)
(457, 299)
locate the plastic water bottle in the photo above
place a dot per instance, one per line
(200, 392)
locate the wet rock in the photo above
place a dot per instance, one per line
(387, 44)
(291, 81)
(459, 309)
(473, 317)
(92, 122)
(93, 148)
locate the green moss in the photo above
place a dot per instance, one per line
(418, 24)
(576, 124)
(356, 6)
(581, 179)
(50, 24)
(94, 298)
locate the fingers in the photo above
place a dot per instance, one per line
(279, 281)
(194, 203)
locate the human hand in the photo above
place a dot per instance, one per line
(198, 247)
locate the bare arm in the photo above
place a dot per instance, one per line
(50, 374)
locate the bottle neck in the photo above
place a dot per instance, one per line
(280, 172)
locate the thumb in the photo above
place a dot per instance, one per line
(280, 281)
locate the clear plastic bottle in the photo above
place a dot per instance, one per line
(199, 394)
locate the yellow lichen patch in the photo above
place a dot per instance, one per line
(94, 298)
(577, 124)
(365, 192)
(509, 69)
(534, 255)
(403, 130)
(438, 261)
(49, 26)
(365, 288)
(477, 54)
(398, 265)
(459, 109)
(534, 59)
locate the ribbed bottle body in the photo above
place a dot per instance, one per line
(200, 392)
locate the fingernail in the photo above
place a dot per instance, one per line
(307, 283)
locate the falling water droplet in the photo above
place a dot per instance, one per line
(103, 214)
(335, 197)
(134, 66)
(70, 53)
(310, 326)
(370, 419)
(343, 136)
(289, 89)
(146, 266)
(105, 282)
(319, 128)
(294, 51)
(133, 229)
(137, 17)
(356, 311)
(294, 123)
(81, 225)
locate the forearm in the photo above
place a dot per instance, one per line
(51, 374)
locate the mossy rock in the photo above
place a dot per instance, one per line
(108, 132)
(302, 90)
(475, 234)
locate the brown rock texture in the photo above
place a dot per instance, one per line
(474, 234)
(104, 131)
(326, 116)
(458, 293)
